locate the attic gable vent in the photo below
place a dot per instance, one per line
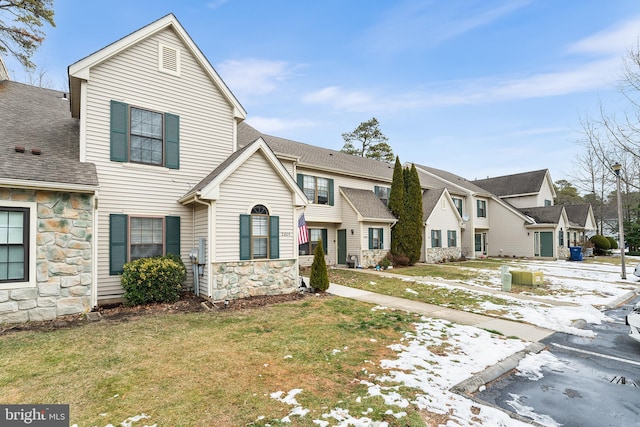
(169, 59)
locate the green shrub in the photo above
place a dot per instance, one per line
(385, 263)
(601, 244)
(157, 279)
(319, 277)
(612, 242)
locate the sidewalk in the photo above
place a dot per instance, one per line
(506, 327)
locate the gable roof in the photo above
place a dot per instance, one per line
(208, 188)
(319, 158)
(578, 214)
(453, 183)
(545, 214)
(367, 204)
(81, 70)
(430, 201)
(516, 184)
(37, 118)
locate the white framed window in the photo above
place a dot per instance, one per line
(18, 228)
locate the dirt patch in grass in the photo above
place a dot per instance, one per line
(188, 303)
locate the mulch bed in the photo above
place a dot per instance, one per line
(188, 303)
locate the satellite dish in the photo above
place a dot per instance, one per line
(465, 217)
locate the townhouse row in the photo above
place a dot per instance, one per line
(149, 154)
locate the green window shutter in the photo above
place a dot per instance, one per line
(371, 238)
(172, 235)
(119, 138)
(245, 237)
(300, 179)
(118, 242)
(172, 141)
(330, 192)
(433, 238)
(376, 190)
(381, 238)
(274, 237)
(325, 245)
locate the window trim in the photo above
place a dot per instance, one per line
(482, 210)
(130, 240)
(372, 238)
(436, 238)
(330, 191)
(452, 235)
(32, 228)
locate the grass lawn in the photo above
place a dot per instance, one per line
(459, 299)
(210, 368)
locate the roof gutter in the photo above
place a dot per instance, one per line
(53, 186)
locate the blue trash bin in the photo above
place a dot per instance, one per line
(576, 253)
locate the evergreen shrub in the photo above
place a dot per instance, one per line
(319, 277)
(157, 279)
(601, 244)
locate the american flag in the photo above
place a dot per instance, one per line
(303, 236)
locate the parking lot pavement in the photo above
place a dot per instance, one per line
(596, 381)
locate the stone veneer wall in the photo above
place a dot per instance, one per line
(371, 257)
(250, 278)
(63, 264)
(435, 255)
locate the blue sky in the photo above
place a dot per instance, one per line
(476, 87)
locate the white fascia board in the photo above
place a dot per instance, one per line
(43, 185)
(82, 68)
(212, 190)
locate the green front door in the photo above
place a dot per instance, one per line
(546, 244)
(342, 247)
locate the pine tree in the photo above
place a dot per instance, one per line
(413, 215)
(396, 206)
(319, 277)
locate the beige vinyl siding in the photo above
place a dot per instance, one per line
(443, 218)
(508, 233)
(350, 222)
(206, 139)
(201, 216)
(333, 214)
(525, 201)
(254, 182)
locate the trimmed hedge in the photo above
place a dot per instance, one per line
(157, 279)
(612, 242)
(601, 244)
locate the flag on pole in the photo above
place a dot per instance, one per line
(303, 236)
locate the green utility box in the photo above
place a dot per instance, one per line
(528, 278)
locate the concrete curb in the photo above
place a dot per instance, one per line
(622, 299)
(471, 385)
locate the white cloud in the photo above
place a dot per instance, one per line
(255, 77)
(216, 4)
(613, 41)
(341, 99)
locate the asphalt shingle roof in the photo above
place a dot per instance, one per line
(429, 201)
(367, 204)
(577, 214)
(519, 183)
(37, 118)
(544, 214)
(450, 181)
(318, 157)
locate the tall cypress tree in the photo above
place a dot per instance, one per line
(396, 206)
(413, 215)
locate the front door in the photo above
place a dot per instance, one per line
(481, 243)
(546, 244)
(342, 247)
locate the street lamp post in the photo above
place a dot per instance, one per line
(616, 168)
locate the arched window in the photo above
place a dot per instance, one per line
(259, 232)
